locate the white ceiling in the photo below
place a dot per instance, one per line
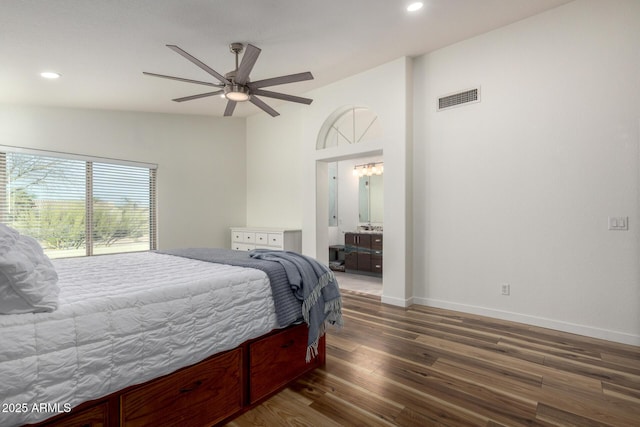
(101, 47)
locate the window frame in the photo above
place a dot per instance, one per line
(88, 181)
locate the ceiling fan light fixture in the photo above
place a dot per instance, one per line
(238, 93)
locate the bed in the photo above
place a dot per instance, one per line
(148, 338)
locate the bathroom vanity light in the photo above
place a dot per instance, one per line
(368, 169)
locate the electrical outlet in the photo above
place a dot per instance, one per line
(506, 289)
(619, 223)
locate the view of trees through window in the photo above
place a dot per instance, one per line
(76, 207)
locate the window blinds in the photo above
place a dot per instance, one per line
(76, 207)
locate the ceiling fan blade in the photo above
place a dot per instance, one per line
(202, 95)
(249, 58)
(283, 96)
(281, 80)
(182, 80)
(231, 105)
(261, 104)
(199, 63)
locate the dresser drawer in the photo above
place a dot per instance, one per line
(242, 246)
(200, 395)
(276, 240)
(276, 359)
(266, 238)
(262, 239)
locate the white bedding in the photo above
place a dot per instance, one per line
(122, 320)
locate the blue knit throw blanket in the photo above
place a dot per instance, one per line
(313, 284)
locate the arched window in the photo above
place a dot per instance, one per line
(348, 125)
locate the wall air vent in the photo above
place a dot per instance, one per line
(459, 98)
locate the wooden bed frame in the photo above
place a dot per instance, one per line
(208, 393)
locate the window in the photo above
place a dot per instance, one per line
(348, 125)
(76, 206)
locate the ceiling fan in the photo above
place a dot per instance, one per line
(236, 85)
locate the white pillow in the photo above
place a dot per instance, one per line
(28, 280)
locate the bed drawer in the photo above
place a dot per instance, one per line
(96, 416)
(276, 359)
(200, 395)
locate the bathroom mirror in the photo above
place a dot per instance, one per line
(370, 199)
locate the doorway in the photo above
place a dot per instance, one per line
(354, 201)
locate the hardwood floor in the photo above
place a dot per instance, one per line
(423, 366)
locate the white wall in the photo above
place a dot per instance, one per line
(275, 169)
(201, 161)
(517, 189)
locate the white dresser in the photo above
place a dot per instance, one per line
(248, 238)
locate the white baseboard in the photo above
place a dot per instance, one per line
(573, 328)
(400, 302)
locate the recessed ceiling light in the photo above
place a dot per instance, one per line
(415, 6)
(50, 75)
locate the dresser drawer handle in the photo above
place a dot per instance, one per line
(287, 344)
(378, 266)
(193, 387)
